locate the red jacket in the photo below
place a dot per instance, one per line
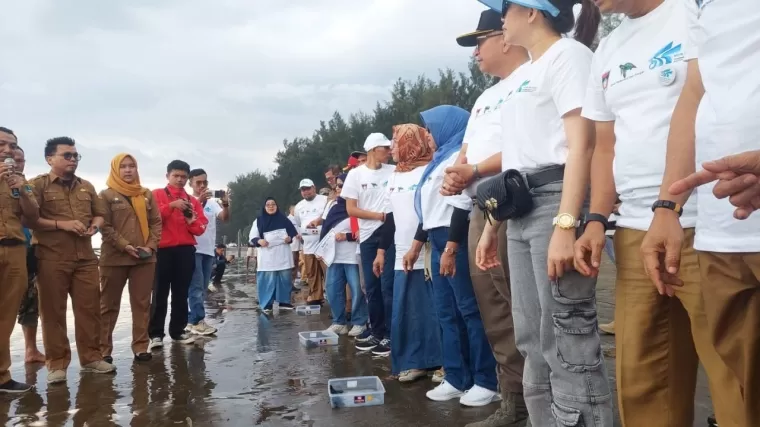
(175, 231)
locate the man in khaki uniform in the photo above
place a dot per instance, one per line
(70, 213)
(131, 233)
(16, 203)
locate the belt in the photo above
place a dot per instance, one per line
(546, 176)
(11, 242)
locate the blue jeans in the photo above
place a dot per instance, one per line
(337, 277)
(198, 284)
(564, 381)
(415, 331)
(609, 247)
(379, 289)
(467, 356)
(273, 286)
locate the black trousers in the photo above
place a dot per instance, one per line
(218, 272)
(174, 270)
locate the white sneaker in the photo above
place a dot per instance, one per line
(338, 329)
(212, 288)
(155, 343)
(479, 396)
(202, 329)
(444, 392)
(357, 330)
(185, 339)
(188, 327)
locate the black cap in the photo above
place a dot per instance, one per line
(490, 21)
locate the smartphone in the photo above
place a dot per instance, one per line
(218, 194)
(143, 254)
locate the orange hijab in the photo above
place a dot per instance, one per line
(415, 146)
(134, 191)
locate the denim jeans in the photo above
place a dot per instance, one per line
(273, 286)
(337, 277)
(565, 381)
(467, 356)
(609, 248)
(379, 289)
(198, 284)
(415, 331)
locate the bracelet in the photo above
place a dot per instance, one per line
(476, 171)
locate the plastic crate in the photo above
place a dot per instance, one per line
(305, 310)
(354, 392)
(312, 339)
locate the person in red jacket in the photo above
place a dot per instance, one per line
(183, 219)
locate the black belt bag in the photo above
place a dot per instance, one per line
(507, 195)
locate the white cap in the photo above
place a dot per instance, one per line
(375, 140)
(306, 182)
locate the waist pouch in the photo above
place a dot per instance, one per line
(508, 195)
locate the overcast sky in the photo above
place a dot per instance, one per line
(219, 84)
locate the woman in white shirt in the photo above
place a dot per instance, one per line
(550, 144)
(272, 233)
(467, 357)
(415, 331)
(344, 268)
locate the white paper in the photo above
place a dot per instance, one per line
(276, 237)
(351, 384)
(326, 248)
(313, 335)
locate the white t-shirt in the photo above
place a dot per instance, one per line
(550, 87)
(483, 134)
(204, 244)
(726, 42)
(436, 208)
(345, 251)
(637, 75)
(295, 246)
(305, 212)
(367, 187)
(401, 189)
(275, 258)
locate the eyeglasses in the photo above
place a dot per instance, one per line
(338, 185)
(71, 156)
(481, 39)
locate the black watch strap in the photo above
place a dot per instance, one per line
(598, 218)
(667, 204)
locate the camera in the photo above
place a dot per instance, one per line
(188, 213)
(218, 194)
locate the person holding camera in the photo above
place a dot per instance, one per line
(131, 232)
(215, 206)
(183, 220)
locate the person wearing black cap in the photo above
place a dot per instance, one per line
(480, 157)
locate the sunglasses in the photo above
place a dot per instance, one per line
(71, 156)
(339, 185)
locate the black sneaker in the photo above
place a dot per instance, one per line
(108, 359)
(365, 336)
(711, 421)
(383, 349)
(368, 345)
(143, 357)
(14, 387)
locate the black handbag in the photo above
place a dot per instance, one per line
(505, 196)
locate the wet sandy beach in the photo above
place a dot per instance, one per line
(254, 372)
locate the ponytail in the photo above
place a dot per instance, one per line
(588, 21)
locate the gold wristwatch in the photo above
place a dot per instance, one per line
(565, 221)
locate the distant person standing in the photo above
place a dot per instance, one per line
(131, 233)
(295, 245)
(183, 219)
(308, 214)
(213, 209)
(71, 212)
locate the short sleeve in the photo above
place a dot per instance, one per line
(595, 103)
(470, 129)
(254, 234)
(351, 186)
(568, 75)
(461, 201)
(217, 208)
(694, 38)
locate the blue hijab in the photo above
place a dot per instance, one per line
(276, 221)
(446, 124)
(337, 212)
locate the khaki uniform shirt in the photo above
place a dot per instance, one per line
(10, 215)
(122, 228)
(61, 202)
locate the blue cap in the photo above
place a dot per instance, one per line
(543, 5)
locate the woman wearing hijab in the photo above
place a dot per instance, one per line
(344, 269)
(467, 357)
(415, 330)
(272, 233)
(131, 233)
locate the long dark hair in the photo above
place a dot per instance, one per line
(588, 21)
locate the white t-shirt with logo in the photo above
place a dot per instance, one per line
(295, 245)
(436, 208)
(637, 75)
(725, 38)
(275, 258)
(483, 134)
(401, 189)
(550, 87)
(345, 251)
(305, 212)
(367, 186)
(205, 243)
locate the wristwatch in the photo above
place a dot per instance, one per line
(598, 218)
(667, 204)
(475, 172)
(565, 221)
(451, 251)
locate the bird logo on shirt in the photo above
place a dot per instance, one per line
(625, 68)
(667, 55)
(364, 186)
